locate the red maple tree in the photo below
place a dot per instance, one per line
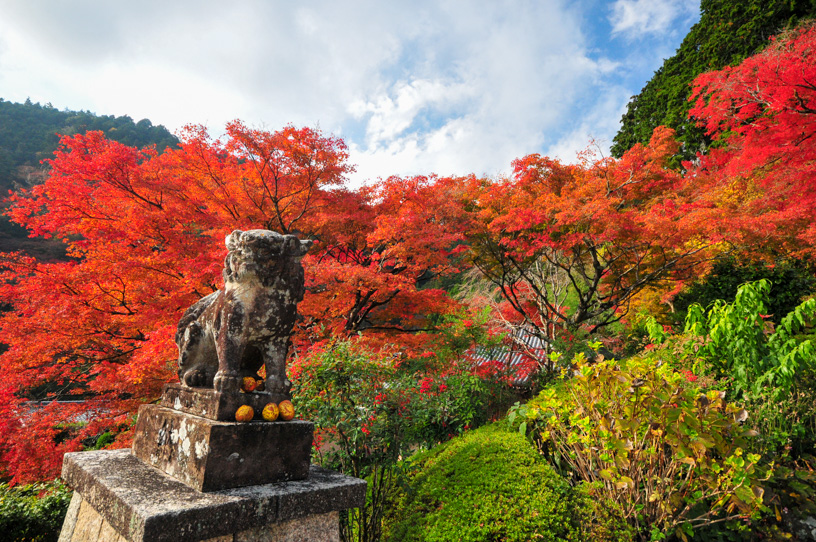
(762, 115)
(145, 232)
(379, 250)
(570, 246)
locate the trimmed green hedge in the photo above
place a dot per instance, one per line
(489, 484)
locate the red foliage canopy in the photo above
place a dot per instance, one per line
(763, 116)
(569, 246)
(145, 236)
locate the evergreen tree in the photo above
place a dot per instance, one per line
(728, 32)
(28, 134)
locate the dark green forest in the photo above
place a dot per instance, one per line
(29, 133)
(728, 32)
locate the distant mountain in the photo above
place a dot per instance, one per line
(28, 135)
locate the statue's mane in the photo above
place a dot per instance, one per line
(268, 249)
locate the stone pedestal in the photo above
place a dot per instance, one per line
(209, 455)
(196, 474)
(119, 498)
(215, 405)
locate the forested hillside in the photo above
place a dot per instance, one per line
(29, 133)
(728, 32)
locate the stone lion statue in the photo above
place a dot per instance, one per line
(230, 333)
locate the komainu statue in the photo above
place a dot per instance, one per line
(230, 333)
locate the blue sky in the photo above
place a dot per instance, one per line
(447, 87)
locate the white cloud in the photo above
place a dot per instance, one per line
(444, 86)
(391, 116)
(639, 17)
(595, 129)
(267, 62)
(504, 95)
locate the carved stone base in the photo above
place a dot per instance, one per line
(209, 455)
(84, 524)
(215, 405)
(120, 499)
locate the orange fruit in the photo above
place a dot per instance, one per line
(260, 385)
(249, 384)
(270, 412)
(244, 414)
(287, 410)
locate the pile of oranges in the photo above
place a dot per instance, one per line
(271, 412)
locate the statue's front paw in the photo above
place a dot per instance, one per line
(227, 382)
(195, 378)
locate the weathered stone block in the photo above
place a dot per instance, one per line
(209, 455)
(89, 523)
(142, 504)
(320, 527)
(70, 521)
(215, 405)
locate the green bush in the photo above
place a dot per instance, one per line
(739, 343)
(488, 484)
(33, 513)
(370, 411)
(601, 518)
(770, 368)
(669, 456)
(789, 280)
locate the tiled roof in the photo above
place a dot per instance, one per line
(519, 358)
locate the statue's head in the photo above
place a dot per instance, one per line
(254, 252)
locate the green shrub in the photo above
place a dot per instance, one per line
(670, 457)
(488, 484)
(790, 281)
(370, 411)
(33, 513)
(770, 368)
(739, 343)
(601, 518)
